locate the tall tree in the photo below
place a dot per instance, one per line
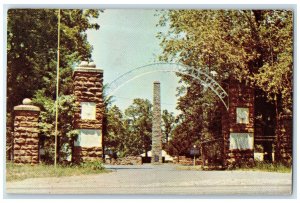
(31, 61)
(139, 122)
(254, 46)
(32, 46)
(168, 121)
(117, 134)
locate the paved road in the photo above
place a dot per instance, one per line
(160, 179)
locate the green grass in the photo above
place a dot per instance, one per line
(16, 172)
(259, 166)
(268, 167)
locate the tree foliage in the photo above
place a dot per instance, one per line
(254, 46)
(168, 121)
(130, 133)
(251, 45)
(32, 50)
(139, 122)
(32, 59)
(116, 136)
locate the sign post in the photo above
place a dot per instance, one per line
(194, 152)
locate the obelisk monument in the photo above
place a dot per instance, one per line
(156, 125)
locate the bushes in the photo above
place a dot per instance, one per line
(95, 165)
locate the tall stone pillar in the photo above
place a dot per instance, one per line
(88, 84)
(238, 125)
(26, 138)
(156, 125)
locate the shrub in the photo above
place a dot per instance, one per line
(94, 165)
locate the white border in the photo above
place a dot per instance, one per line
(148, 4)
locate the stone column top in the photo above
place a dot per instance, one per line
(156, 82)
(26, 106)
(87, 67)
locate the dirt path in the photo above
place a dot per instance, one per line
(161, 179)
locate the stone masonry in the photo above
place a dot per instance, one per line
(240, 96)
(88, 84)
(156, 125)
(283, 152)
(26, 138)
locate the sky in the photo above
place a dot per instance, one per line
(127, 40)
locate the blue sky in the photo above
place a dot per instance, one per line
(127, 40)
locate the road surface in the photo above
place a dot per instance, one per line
(160, 179)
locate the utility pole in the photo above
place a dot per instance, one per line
(57, 89)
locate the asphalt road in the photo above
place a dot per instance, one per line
(160, 179)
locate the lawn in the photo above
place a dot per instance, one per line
(16, 172)
(268, 167)
(259, 166)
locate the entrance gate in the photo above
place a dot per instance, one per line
(237, 116)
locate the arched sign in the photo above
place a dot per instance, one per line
(196, 74)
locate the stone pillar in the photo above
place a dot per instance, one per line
(284, 132)
(88, 84)
(238, 125)
(156, 125)
(26, 138)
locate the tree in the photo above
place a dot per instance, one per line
(182, 140)
(253, 46)
(139, 125)
(66, 132)
(31, 61)
(250, 45)
(32, 46)
(168, 120)
(116, 136)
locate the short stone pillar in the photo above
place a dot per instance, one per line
(26, 138)
(238, 125)
(156, 125)
(88, 84)
(284, 133)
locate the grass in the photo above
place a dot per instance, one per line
(16, 172)
(259, 166)
(268, 167)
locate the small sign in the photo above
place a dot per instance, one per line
(88, 110)
(108, 152)
(194, 151)
(241, 141)
(242, 115)
(89, 138)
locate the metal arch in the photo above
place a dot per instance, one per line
(204, 79)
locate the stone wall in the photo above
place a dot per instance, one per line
(26, 138)
(284, 133)
(88, 88)
(87, 154)
(183, 160)
(129, 160)
(242, 96)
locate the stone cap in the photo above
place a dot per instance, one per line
(26, 106)
(87, 67)
(156, 82)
